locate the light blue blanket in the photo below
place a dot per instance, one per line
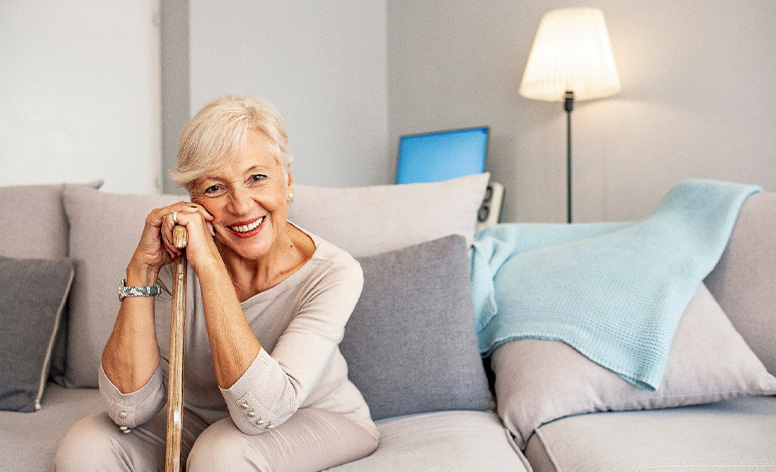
(613, 291)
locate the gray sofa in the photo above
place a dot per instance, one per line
(411, 344)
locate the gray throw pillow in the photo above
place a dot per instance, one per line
(410, 344)
(32, 298)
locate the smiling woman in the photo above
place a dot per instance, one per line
(261, 285)
(247, 198)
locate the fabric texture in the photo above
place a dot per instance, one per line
(733, 435)
(23, 211)
(410, 343)
(32, 297)
(540, 381)
(309, 309)
(376, 219)
(742, 282)
(450, 441)
(29, 441)
(617, 297)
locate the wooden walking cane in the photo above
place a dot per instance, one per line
(177, 334)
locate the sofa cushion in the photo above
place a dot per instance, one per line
(371, 220)
(104, 231)
(32, 298)
(539, 381)
(410, 343)
(734, 434)
(453, 441)
(29, 442)
(742, 282)
(24, 210)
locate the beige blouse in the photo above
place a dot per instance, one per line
(299, 323)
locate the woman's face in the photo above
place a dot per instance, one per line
(247, 198)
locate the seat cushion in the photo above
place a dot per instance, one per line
(466, 441)
(733, 435)
(29, 441)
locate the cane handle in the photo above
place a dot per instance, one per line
(180, 237)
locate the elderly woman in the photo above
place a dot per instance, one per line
(266, 386)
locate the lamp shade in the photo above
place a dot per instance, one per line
(571, 52)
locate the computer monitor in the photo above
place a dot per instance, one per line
(441, 155)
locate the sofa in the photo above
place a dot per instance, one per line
(411, 343)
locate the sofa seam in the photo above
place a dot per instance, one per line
(516, 449)
(548, 451)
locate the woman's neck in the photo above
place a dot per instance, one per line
(287, 255)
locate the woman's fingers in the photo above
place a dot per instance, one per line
(157, 240)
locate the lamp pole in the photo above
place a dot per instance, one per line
(568, 105)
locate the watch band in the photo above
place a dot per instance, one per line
(147, 291)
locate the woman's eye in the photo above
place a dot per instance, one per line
(214, 190)
(258, 178)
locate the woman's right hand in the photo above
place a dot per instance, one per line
(155, 249)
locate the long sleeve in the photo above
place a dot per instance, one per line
(276, 385)
(299, 323)
(135, 408)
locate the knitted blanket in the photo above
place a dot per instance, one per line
(613, 291)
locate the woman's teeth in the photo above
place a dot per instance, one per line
(249, 227)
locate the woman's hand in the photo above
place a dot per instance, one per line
(201, 248)
(156, 249)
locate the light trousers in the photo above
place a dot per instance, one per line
(310, 440)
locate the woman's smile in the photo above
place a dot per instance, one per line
(247, 229)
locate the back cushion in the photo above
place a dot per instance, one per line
(742, 282)
(33, 222)
(372, 220)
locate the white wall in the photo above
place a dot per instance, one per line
(322, 64)
(697, 99)
(79, 93)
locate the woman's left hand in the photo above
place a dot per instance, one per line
(201, 247)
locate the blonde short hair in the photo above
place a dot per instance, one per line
(218, 131)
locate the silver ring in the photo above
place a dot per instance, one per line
(175, 217)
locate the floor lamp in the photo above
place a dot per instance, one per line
(571, 60)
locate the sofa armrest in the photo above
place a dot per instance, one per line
(743, 281)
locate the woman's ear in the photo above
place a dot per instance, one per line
(290, 188)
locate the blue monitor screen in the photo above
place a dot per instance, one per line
(443, 155)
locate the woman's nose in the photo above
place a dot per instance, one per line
(240, 199)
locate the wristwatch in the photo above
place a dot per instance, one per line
(125, 291)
